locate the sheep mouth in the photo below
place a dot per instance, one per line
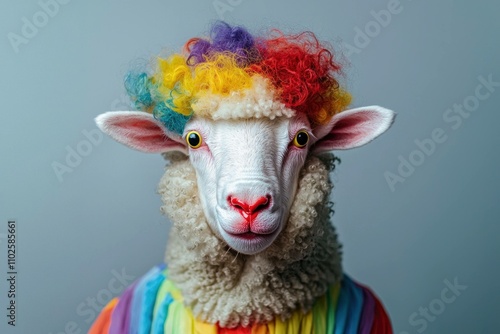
(250, 234)
(246, 235)
(249, 242)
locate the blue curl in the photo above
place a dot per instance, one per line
(172, 120)
(138, 87)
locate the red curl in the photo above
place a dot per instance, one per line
(301, 68)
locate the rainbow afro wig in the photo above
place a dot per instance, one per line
(232, 74)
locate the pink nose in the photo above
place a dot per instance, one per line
(249, 210)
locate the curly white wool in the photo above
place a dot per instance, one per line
(258, 101)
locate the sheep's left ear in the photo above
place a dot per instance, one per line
(352, 128)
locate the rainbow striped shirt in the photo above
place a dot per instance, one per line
(153, 305)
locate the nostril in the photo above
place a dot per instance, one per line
(258, 205)
(237, 203)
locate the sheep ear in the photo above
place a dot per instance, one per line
(352, 128)
(141, 131)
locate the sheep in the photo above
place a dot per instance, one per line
(247, 125)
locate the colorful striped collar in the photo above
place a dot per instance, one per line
(153, 305)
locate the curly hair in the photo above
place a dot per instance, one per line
(298, 70)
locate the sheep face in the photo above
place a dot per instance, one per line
(247, 169)
(247, 173)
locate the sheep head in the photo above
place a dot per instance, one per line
(247, 111)
(247, 169)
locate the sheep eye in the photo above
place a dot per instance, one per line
(301, 139)
(193, 139)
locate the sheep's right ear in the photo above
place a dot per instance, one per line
(141, 131)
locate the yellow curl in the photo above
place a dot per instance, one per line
(337, 100)
(174, 82)
(219, 75)
(341, 99)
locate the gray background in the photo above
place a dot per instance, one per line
(440, 224)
